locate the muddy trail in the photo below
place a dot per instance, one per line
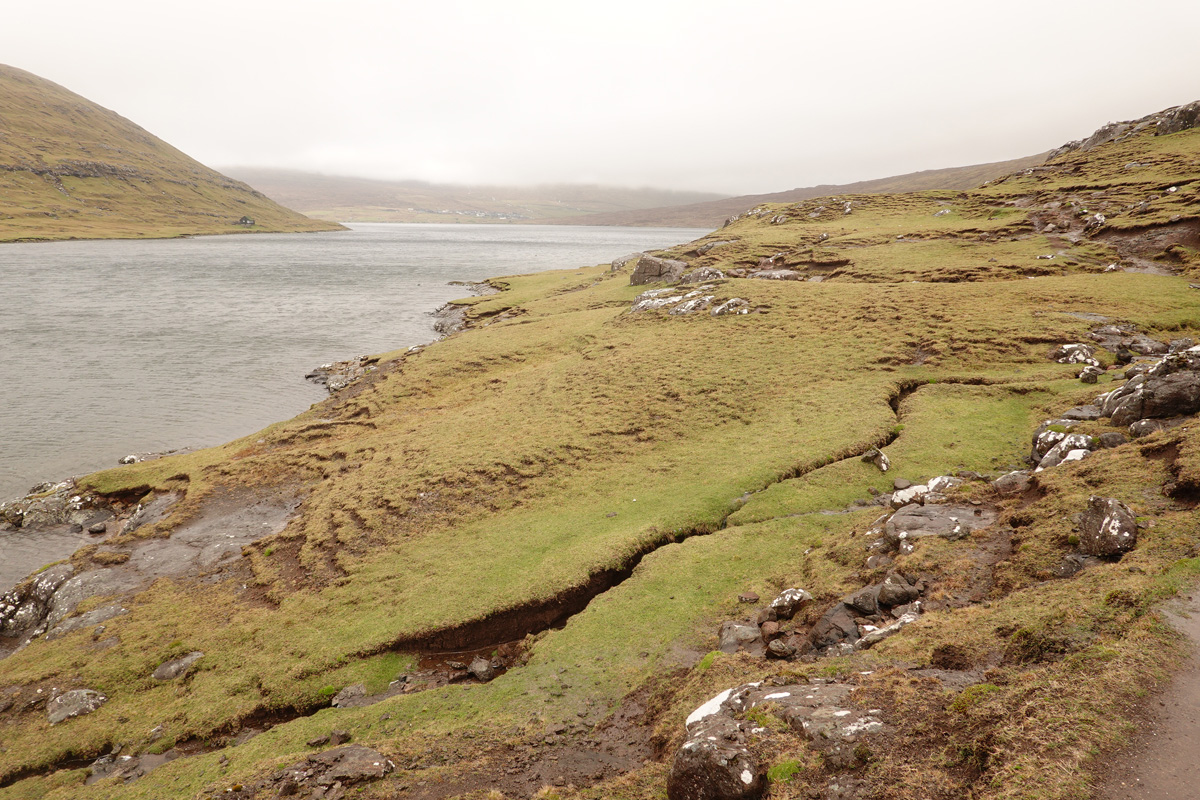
(1160, 763)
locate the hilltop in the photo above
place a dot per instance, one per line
(70, 169)
(349, 199)
(712, 213)
(862, 496)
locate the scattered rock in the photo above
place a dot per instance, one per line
(701, 275)
(481, 669)
(735, 305)
(1107, 528)
(1013, 483)
(339, 737)
(619, 264)
(778, 648)
(1112, 439)
(788, 603)
(950, 521)
(778, 275)
(878, 635)
(1083, 413)
(748, 597)
(1090, 374)
(1077, 353)
(836, 626)
(75, 703)
(735, 636)
(708, 247)
(651, 269)
(878, 458)
(896, 591)
(912, 494)
(349, 694)
(170, 670)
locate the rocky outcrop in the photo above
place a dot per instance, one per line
(75, 703)
(1167, 389)
(717, 762)
(671, 299)
(340, 374)
(1077, 353)
(651, 269)
(1107, 528)
(701, 275)
(326, 774)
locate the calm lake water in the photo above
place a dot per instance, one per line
(112, 347)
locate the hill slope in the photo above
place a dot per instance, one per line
(71, 169)
(597, 488)
(349, 199)
(712, 213)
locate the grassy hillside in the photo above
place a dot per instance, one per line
(713, 213)
(70, 169)
(349, 199)
(585, 493)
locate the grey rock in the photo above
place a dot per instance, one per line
(708, 247)
(710, 766)
(1013, 483)
(734, 305)
(837, 625)
(1171, 395)
(481, 669)
(1090, 374)
(901, 483)
(735, 636)
(1112, 439)
(348, 695)
(949, 521)
(619, 264)
(170, 670)
(93, 617)
(701, 275)
(1083, 413)
(910, 496)
(1075, 353)
(1107, 528)
(75, 703)
(788, 603)
(1179, 345)
(863, 601)
(1062, 451)
(874, 637)
(878, 458)
(896, 591)
(1180, 118)
(692, 306)
(651, 269)
(1145, 427)
(778, 275)
(778, 648)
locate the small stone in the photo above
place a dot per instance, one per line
(318, 741)
(75, 703)
(779, 648)
(348, 695)
(170, 670)
(901, 483)
(748, 597)
(339, 737)
(99, 527)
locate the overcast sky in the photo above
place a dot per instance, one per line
(731, 97)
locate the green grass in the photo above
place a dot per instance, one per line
(564, 436)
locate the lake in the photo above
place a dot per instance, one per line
(115, 347)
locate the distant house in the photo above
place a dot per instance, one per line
(244, 221)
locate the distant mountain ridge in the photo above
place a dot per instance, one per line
(712, 214)
(70, 168)
(352, 199)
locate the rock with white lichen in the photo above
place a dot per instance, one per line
(1108, 528)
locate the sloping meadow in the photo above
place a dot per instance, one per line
(599, 487)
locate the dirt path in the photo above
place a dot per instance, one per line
(1163, 763)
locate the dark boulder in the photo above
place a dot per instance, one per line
(1013, 483)
(896, 591)
(1171, 395)
(481, 669)
(836, 626)
(1107, 528)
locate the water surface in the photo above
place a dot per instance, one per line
(115, 347)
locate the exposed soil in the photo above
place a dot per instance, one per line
(1161, 763)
